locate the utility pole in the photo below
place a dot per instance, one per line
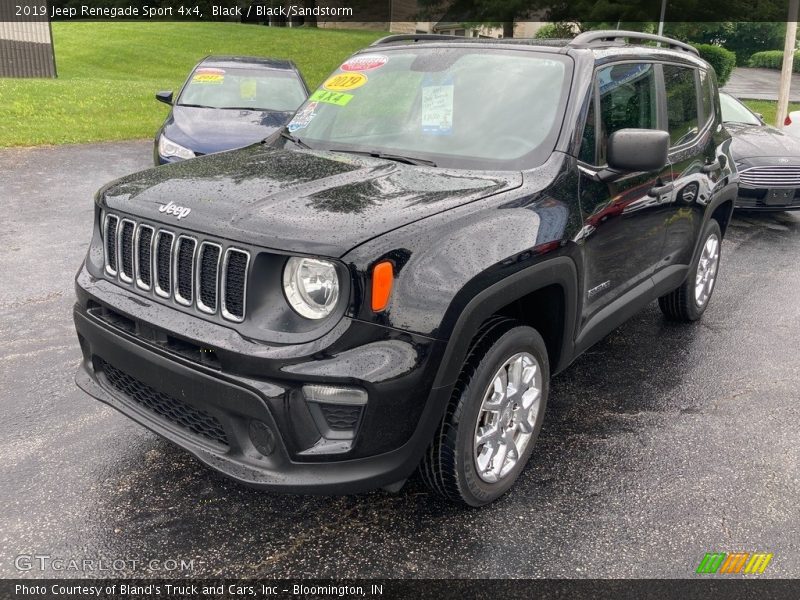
(788, 62)
(661, 20)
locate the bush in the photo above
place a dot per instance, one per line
(773, 59)
(555, 31)
(720, 58)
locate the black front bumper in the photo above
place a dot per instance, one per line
(257, 429)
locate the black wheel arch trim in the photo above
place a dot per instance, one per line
(727, 194)
(560, 271)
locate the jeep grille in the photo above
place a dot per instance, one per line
(177, 267)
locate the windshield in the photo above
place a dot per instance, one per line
(243, 88)
(455, 107)
(734, 111)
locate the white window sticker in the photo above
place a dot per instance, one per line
(437, 108)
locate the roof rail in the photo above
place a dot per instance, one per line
(415, 37)
(611, 36)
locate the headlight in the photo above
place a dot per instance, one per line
(166, 148)
(311, 286)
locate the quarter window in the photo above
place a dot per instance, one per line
(627, 99)
(707, 95)
(682, 119)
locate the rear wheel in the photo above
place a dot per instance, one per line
(494, 416)
(689, 301)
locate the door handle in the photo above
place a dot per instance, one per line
(711, 167)
(660, 190)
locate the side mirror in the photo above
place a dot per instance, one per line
(165, 97)
(638, 150)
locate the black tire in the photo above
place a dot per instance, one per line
(449, 467)
(681, 303)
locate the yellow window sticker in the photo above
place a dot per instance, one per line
(213, 76)
(248, 88)
(344, 82)
(337, 98)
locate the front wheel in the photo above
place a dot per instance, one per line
(689, 301)
(494, 416)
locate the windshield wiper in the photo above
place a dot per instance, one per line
(409, 160)
(288, 136)
(195, 105)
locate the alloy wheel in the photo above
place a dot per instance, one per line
(707, 270)
(507, 417)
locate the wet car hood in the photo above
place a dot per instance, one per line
(752, 141)
(207, 130)
(312, 202)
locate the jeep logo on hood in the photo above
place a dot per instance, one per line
(174, 209)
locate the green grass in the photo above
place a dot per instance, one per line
(109, 72)
(768, 108)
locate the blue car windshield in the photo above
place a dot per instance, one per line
(456, 107)
(243, 88)
(734, 111)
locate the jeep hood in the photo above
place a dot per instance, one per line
(308, 201)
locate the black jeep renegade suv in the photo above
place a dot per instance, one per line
(391, 281)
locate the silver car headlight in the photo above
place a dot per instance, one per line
(168, 148)
(311, 286)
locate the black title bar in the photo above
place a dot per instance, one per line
(711, 588)
(299, 12)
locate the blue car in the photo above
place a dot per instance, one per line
(228, 102)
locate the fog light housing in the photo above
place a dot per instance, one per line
(262, 437)
(336, 410)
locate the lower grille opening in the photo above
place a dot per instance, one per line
(176, 411)
(205, 356)
(194, 352)
(112, 317)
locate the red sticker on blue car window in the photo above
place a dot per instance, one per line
(364, 62)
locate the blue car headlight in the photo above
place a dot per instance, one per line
(167, 148)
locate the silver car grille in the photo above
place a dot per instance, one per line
(771, 177)
(177, 267)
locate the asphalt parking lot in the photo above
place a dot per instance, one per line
(662, 443)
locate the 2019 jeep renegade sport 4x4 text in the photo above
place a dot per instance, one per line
(392, 280)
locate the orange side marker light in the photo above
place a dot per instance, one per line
(382, 280)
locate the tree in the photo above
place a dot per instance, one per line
(491, 13)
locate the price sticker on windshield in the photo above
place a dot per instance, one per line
(437, 106)
(212, 76)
